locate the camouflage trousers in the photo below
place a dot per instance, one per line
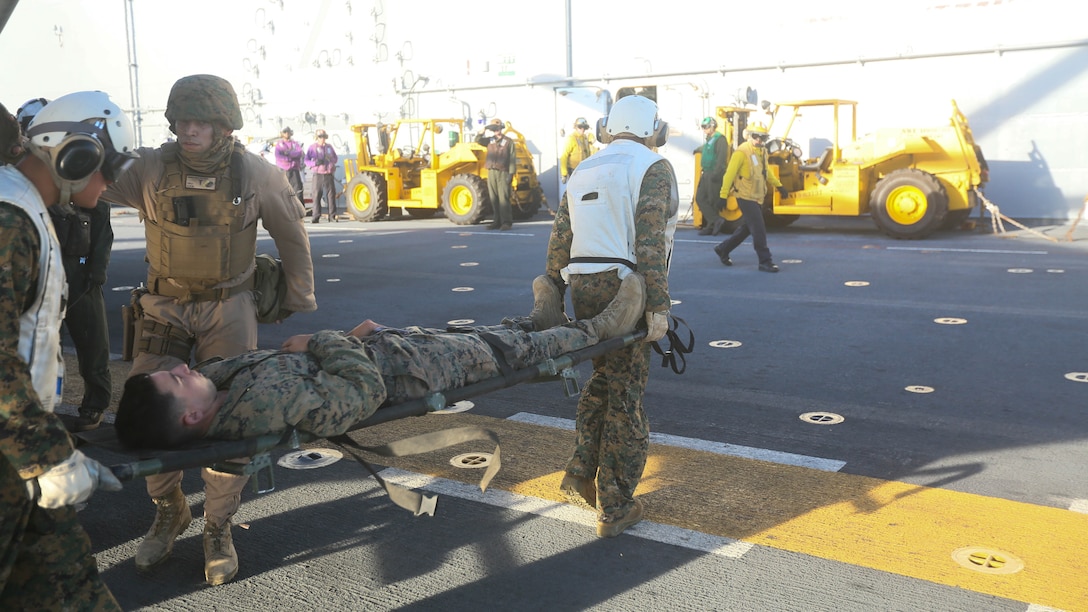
(612, 438)
(45, 556)
(417, 361)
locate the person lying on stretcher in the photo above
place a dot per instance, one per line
(326, 383)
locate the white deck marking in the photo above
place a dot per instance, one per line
(720, 448)
(951, 250)
(657, 532)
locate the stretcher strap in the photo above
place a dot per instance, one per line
(606, 260)
(413, 501)
(503, 352)
(674, 355)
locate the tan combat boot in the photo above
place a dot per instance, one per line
(616, 527)
(624, 311)
(220, 558)
(578, 489)
(172, 517)
(547, 304)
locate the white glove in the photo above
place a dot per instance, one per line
(72, 481)
(657, 323)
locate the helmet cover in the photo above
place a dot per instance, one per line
(204, 97)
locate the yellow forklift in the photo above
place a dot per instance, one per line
(911, 181)
(413, 168)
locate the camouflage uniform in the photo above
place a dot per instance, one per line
(9, 137)
(341, 380)
(612, 430)
(45, 556)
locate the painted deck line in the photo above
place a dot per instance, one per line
(719, 448)
(951, 250)
(1079, 505)
(657, 532)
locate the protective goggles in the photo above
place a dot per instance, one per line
(115, 164)
(759, 137)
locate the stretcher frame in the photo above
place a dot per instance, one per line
(217, 454)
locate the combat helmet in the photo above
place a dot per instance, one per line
(204, 97)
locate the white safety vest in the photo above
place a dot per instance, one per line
(602, 196)
(39, 326)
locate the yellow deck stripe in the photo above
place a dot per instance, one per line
(884, 525)
(901, 528)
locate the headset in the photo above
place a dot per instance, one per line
(80, 153)
(78, 135)
(632, 114)
(658, 137)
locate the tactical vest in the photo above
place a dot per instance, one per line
(602, 197)
(199, 239)
(39, 325)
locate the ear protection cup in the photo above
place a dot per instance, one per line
(661, 133)
(658, 139)
(78, 157)
(603, 136)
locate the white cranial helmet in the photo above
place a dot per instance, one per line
(635, 115)
(79, 134)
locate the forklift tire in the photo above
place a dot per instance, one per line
(527, 203)
(465, 199)
(954, 219)
(366, 197)
(909, 203)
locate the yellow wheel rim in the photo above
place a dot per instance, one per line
(906, 205)
(461, 200)
(361, 198)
